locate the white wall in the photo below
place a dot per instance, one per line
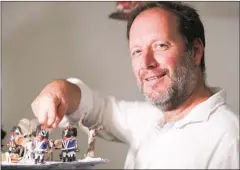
(42, 41)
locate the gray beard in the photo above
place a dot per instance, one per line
(183, 82)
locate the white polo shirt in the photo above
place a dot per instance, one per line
(207, 138)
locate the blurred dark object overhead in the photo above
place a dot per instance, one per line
(123, 9)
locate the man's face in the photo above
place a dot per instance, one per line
(165, 71)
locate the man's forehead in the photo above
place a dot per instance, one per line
(155, 28)
(152, 23)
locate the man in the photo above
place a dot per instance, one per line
(185, 125)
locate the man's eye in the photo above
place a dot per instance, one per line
(161, 47)
(136, 52)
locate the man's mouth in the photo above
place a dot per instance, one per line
(150, 78)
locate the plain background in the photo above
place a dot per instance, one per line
(43, 41)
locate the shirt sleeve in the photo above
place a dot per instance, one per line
(122, 120)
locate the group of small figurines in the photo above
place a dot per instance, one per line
(37, 146)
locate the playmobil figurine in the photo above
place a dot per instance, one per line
(14, 142)
(28, 149)
(69, 145)
(91, 132)
(15, 146)
(40, 145)
(74, 136)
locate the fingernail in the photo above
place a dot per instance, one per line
(49, 122)
(41, 120)
(54, 125)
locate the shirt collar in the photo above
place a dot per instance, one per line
(202, 111)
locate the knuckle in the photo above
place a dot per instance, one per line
(51, 116)
(51, 98)
(33, 104)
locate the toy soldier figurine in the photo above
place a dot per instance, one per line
(41, 145)
(74, 136)
(28, 149)
(14, 141)
(91, 132)
(69, 145)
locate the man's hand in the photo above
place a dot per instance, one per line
(58, 98)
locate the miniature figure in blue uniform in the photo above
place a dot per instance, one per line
(41, 145)
(14, 146)
(69, 145)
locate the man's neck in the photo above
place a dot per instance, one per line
(200, 94)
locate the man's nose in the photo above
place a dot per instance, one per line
(148, 60)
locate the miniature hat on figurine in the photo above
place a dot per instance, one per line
(16, 130)
(67, 132)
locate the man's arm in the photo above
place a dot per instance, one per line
(122, 121)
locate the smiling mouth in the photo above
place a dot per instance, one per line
(155, 77)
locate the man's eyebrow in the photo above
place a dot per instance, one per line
(134, 46)
(150, 42)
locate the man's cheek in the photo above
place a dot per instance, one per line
(136, 70)
(137, 76)
(170, 63)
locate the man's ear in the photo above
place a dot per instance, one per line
(198, 50)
